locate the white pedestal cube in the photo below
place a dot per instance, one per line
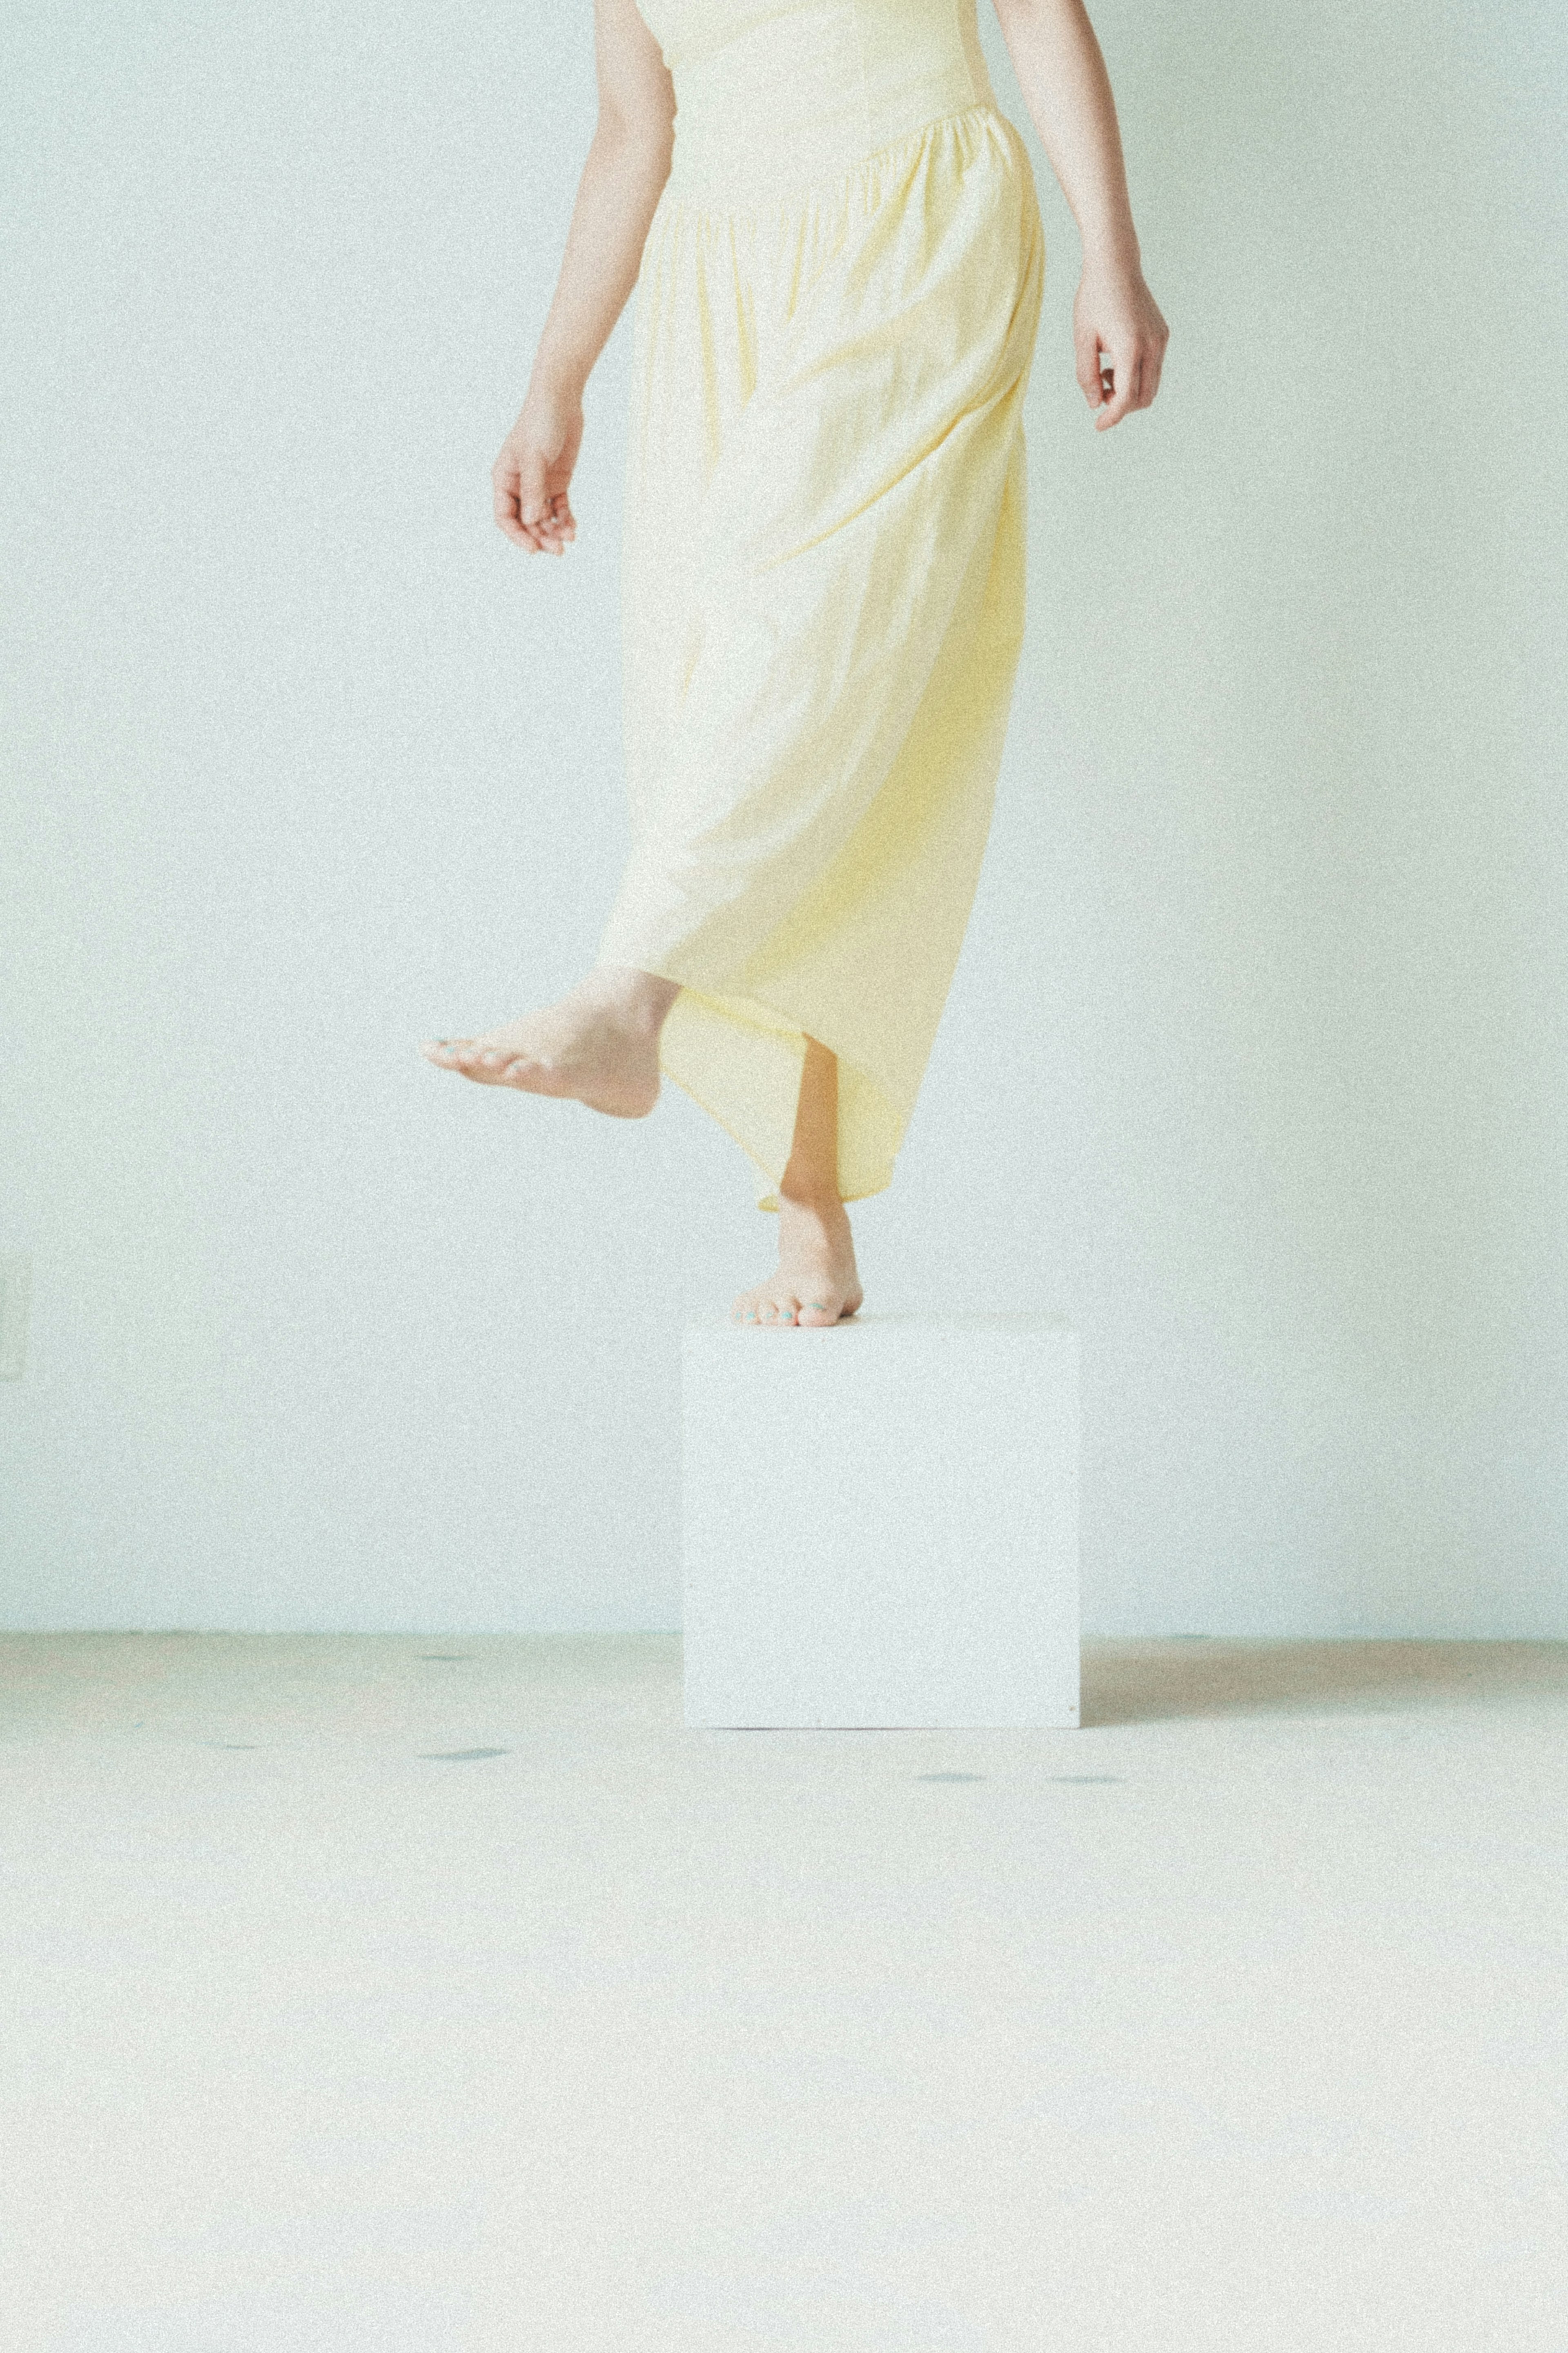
(880, 1523)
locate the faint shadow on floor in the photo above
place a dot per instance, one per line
(1149, 1681)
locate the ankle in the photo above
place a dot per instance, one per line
(812, 1198)
(639, 999)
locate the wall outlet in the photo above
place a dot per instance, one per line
(16, 1287)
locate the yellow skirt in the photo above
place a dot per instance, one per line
(823, 606)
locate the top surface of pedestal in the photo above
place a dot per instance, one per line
(899, 1325)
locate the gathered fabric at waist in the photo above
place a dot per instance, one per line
(796, 96)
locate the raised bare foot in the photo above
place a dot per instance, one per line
(817, 1282)
(599, 1044)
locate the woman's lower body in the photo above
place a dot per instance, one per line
(823, 607)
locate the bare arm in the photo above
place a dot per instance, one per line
(627, 165)
(1062, 75)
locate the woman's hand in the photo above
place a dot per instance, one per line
(533, 469)
(1114, 313)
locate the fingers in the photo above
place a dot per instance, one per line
(539, 518)
(544, 511)
(1122, 378)
(550, 522)
(1131, 379)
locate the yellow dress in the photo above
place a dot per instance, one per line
(823, 560)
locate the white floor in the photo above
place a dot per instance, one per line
(444, 1995)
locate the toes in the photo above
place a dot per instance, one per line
(475, 1059)
(823, 1305)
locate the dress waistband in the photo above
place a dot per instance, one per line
(799, 94)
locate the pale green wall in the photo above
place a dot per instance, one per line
(1254, 1064)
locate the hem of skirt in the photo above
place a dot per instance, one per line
(791, 1021)
(866, 1193)
(716, 195)
(768, 1201)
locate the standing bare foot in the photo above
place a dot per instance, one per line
(599, 1044)
(817, 1280)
